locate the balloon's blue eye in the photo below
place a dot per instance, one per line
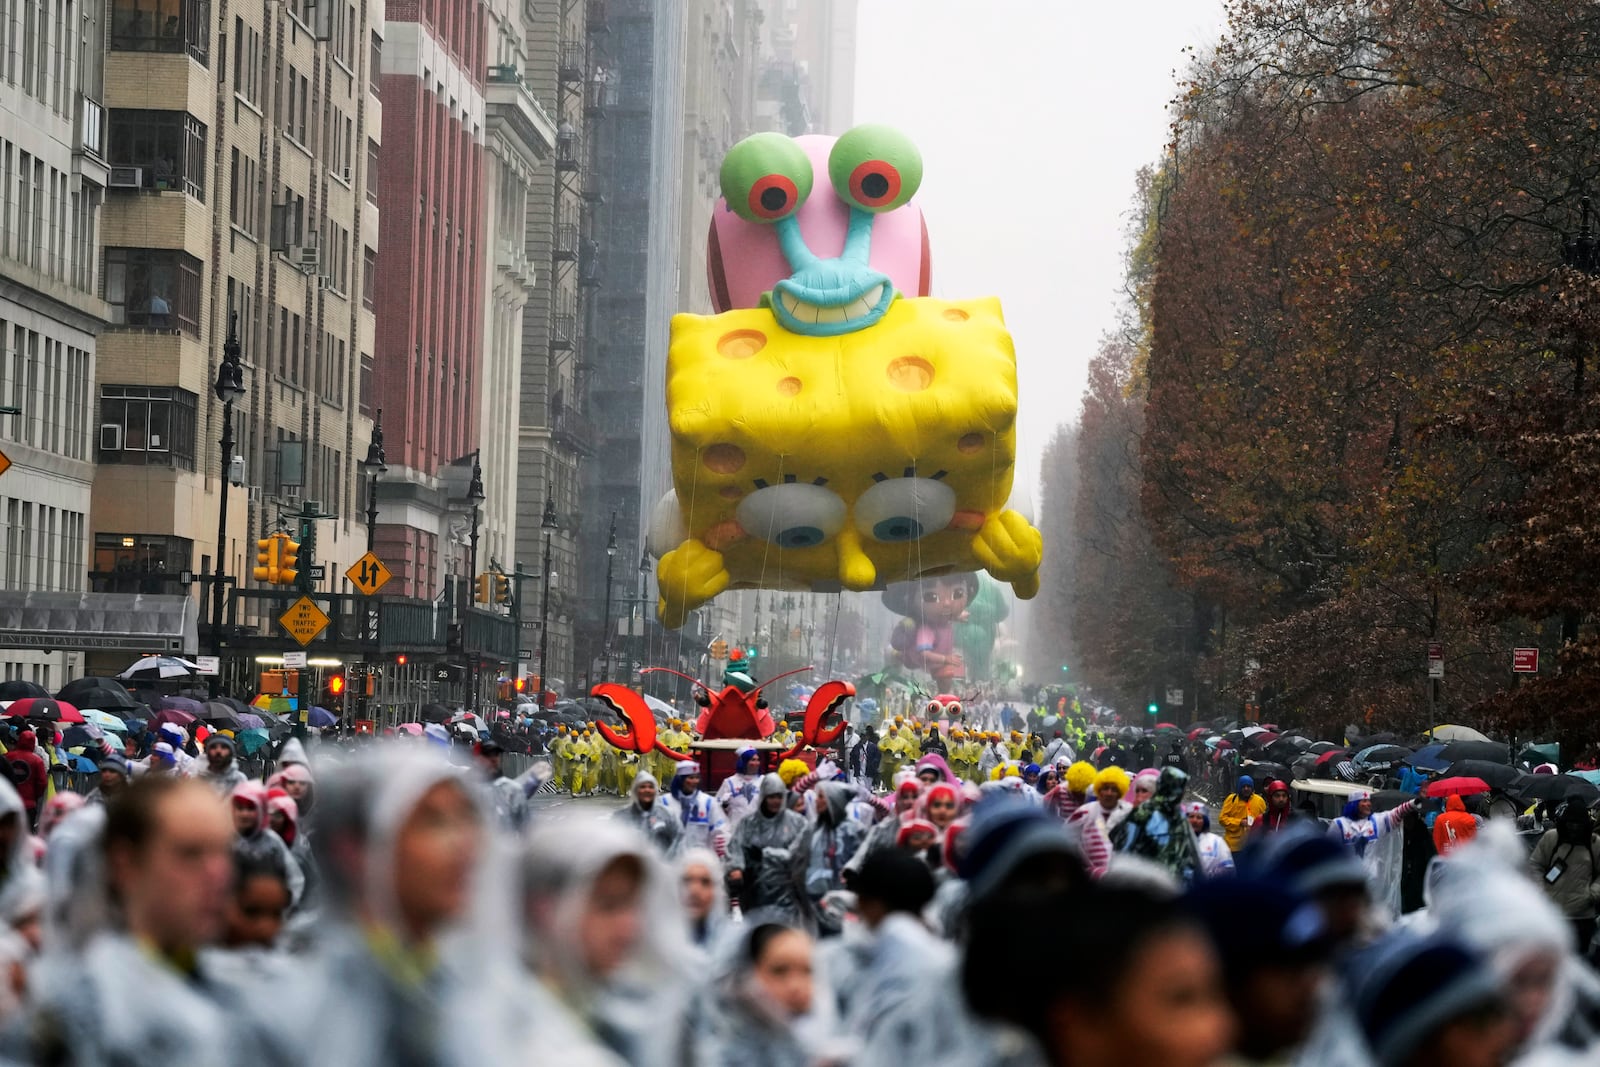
(793, 515)
(905, 509)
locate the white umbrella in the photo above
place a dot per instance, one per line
(152, 667)
(1456, 733)
(659, 707)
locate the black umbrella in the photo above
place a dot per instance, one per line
(1553, 787)
(1319, 747)
(76, 736)
(1379, 757)
(221, 716)
(239, 707)
(1489, 751)
(1389, 799)
(79, 685)
(1361, 741)
(1263, 772)
(1498, 775)
(103, 700)
(1286, 749)
(18, 689)
(435, 713)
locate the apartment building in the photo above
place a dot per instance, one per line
(52, 188)
(431, 281)
(567, 72)
(242, 144)
(519, 138)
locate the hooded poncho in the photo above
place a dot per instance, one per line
(659, 823)
(769, 850)
(263, 845)
(222, 781)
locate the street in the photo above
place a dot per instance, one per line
(559, 807)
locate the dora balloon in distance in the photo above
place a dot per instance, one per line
(925, 639)
(828, 430)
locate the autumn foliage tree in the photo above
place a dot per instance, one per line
(1355, 400)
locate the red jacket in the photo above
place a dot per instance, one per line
(1454, 827)
(28, 771)
(1274, 822)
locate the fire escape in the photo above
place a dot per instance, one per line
(575, 268)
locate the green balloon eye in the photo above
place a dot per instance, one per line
(766, 177)
(876, 168)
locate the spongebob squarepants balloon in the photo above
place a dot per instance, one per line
(830, 431)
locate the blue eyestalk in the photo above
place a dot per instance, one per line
(830, 297)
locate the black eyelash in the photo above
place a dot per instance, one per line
(819, 481)
(760, 483)
(789, 479)
(880, 477)
(939, 475)
(911, 472)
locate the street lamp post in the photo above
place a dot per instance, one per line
(229, 388)
(605, 616)
(476, 496)
(375, 464)
(548, 524)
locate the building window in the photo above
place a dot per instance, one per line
(246, 61)
(366, 385)
(147, 424)
(168, 146)
(162, 26)
(154, 287)
(139, 563)
(244, 202)
(369, 277)
(372, 170)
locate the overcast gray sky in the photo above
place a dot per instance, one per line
(1033, 117)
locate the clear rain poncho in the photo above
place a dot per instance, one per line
(770, 852)
(369, 995)
(550, 1005)
(1479, 896)
(98, 999)
(743, 1027)
(832, 840)
(660, 823)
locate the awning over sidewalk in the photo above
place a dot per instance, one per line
(111, 622)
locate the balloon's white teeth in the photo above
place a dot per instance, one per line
(859, 308)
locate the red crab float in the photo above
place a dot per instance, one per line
(732, 719)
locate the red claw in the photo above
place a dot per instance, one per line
(641, 737)
(826, 700)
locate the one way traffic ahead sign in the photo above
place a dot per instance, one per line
(368, 574)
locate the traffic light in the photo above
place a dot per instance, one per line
(288, 560)
(1154, 709)
(1065, 668)
(401, 660)
(719, 649)
(267, 562)
(502, 590)
(485, 590)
